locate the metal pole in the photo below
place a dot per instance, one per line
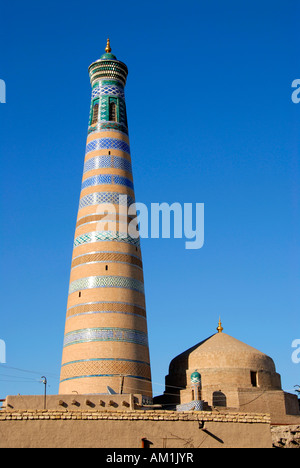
(45, 394)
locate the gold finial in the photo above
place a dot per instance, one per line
(220, 328)
(108, 48)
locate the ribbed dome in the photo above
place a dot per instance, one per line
(222, 351)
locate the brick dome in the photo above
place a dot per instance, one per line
(222, 351)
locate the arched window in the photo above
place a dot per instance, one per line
(113, 112)
(95, 112)
(253, 377)
(219, 399)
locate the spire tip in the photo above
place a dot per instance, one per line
(220, 328)
(108, 48)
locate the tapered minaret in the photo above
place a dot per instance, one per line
(106, 340)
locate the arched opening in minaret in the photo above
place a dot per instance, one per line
(113, 112)
(95, 112)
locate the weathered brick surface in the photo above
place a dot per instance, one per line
(144, 415)
(286, 436)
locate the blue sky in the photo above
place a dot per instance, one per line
(211, 121)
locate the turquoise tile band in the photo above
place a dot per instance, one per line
(106, 334)
(98, 198)
(102, 236)
(106, 282)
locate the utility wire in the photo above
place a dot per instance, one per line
(28, 371)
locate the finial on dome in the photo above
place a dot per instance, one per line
(108, 48)
(220, 328)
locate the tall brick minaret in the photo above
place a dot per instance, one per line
(106, 341)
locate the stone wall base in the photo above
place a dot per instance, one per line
(286, 436)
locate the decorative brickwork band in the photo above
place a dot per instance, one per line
(107, 257)
(103, 367)
(106, 334)
(106, 282)
(106, 308)
(107, 216)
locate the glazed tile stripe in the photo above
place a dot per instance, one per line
(103, 162)
(107, 375)
(107, 179)
(106, 307)
(106, 257)
(92, 282)
(98, 198)
(107, 143)
(106, 360)
(112, 126)
(106, 334)
(107, 217)
(109, 236)
(108, 90)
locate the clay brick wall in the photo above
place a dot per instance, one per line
(126, 429)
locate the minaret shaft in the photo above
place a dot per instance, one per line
(106, 338)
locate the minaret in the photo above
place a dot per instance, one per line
(106, 339)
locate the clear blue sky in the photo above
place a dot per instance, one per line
(211, 121)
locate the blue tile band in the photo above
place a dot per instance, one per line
(106, 375)
(107, 179)
(107, 143)
(106, 360)
(99, 162)
(108, 90)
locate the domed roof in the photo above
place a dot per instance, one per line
(222, 351)
(195, 377)
(108, 55)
